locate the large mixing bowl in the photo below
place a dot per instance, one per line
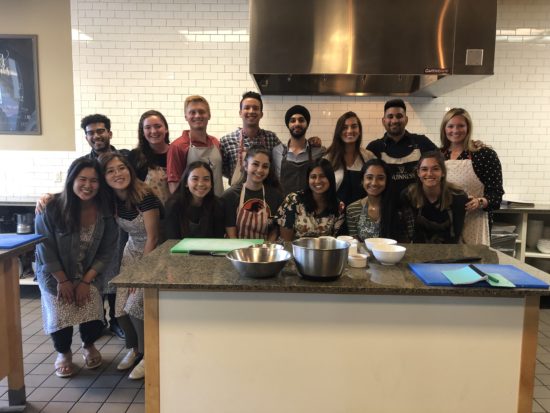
(258, 262)
(320, 259)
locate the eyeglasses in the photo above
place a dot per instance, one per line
(90, 133)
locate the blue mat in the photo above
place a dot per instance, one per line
(431, 274)
(8, 241)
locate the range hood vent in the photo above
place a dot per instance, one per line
(368, 47)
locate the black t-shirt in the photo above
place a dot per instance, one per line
(148, 202)
(401, 157)
(430, 224)
(156, 159)
(202, 223)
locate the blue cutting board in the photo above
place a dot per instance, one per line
(8, 241)
(431, 274)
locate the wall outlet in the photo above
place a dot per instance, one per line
(58, 177)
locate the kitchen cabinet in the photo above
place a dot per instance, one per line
(376, 339)
(520, 218)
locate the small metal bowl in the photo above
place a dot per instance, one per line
(258, 262)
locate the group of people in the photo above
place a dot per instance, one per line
(117, 206)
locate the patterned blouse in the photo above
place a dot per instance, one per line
(489, 171)
(359, 224)
(292, 214)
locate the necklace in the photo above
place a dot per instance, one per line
(373, 211)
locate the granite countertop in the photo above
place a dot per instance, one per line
(163, 270)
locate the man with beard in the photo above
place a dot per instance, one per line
(97, 129)
(400, 149)
(292, 160)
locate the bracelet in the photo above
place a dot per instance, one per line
(61, 282)
(86, 282)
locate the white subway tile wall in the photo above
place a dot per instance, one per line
(133, 55)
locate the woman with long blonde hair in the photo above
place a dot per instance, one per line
(476, 168)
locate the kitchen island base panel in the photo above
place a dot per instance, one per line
(11, 347)
(278, 352)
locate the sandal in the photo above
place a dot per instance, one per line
(64, 366)
(92, 357)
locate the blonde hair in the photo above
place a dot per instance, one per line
(469, 144)
(195, 99)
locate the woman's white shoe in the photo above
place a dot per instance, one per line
(128, 361)
(139, 371)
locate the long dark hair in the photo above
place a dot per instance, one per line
(330, 194)
(145, 155)
(66, 205)
(388, 214)
(137, 189)
(180, 200)
(271, 178)
(336, 150)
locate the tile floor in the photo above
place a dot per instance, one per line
(106, 390)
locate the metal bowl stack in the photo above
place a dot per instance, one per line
(259, 262)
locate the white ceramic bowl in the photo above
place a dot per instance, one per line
(388, 254)
(357, 260)
(543, 245)
(369, 242)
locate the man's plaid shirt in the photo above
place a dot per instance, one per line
(230, 147)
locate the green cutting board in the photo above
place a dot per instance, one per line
(215, 245)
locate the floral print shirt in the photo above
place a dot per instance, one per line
(292, 214)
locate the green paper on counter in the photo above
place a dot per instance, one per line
(502, 281)
(466, 275)
(463, 276)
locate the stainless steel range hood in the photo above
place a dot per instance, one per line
(370, 47)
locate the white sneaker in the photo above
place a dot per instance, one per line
(139, 371)
(128, 360)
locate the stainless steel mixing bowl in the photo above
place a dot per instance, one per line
(320, 259)
(258, 262)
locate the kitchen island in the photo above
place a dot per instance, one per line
(11, 344)
(377, 339)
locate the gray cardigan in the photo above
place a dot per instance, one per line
(59, 251)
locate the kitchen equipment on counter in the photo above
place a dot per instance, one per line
(357, 260)
(534, 232)
(388, 254)
(431, 274)
(320, 259)
(353, 244)
(212, 245)
(25, 223)
(258, 262)
(369, 242)
(271, 245)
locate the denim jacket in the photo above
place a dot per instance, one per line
(59, 251)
